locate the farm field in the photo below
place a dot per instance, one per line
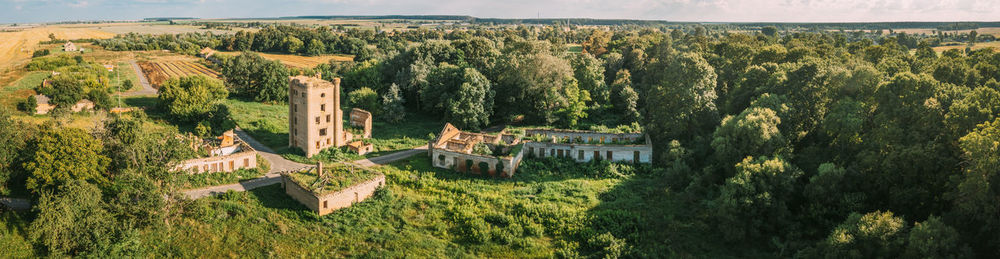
(994, 44)
(159, 71)
(995, 31)
(299, 61)
(16, 47)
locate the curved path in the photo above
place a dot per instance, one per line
(146, 89)
(280, 164)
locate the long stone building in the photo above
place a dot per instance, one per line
(502, 153)
(314, 115)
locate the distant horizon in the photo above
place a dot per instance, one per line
(701, 11)
(387, 16)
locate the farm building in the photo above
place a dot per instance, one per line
(69, 47)
(324, 190)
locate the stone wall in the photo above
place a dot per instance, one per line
(577, 136)
(473, 163)
(588, 152)
(246, 159)
(327, 203)
(362, 119)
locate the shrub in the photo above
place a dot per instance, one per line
(40, 53)
(29, 105)
(364, 98)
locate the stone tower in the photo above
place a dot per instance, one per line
(314, 116)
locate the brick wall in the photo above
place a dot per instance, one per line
(328, 203)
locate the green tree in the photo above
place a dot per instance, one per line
(189, 98)
(680, 100)
(393, 109)
(754, 132)
(252, 76)
(935, 239)
(15, 136)
(364, 98)
(624, 99)
(589, 74)
(977, 197)
(72, 221)
(66, 91)
(873, 235)
(100, 98)
(770, 31)
(29, 105)
(293, 44)
(755, 201)
(541, 87)
(462, 95)
(315, 47)
(59, 156)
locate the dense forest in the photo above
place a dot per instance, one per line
(783, 143)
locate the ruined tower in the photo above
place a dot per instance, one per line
(314, 116)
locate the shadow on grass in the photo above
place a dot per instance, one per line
(273, 196)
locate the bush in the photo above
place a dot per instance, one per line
(29, 105)
(40, 53)
(364, 98)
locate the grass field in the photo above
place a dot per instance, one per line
(299, 61)
(16, 47)
(995, 31)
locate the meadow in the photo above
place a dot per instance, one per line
(553, 209)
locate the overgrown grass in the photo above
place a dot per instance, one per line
(13, 235)
(550, 208)
(337, 178)
(193, 181)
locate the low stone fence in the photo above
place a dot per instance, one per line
(327, 203)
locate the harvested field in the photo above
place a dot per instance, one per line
(962, 46)
(16, 47)
(299, 61)
(159, 71)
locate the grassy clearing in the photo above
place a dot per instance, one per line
(574, 48)
(127, 73)
(962, 46)
(299, 61)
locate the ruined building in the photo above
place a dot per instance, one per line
(502, 152)
(314, 115)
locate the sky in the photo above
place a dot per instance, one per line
(34, 11)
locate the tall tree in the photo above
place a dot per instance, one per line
(190, 98)
(680, 100)
(59, 156)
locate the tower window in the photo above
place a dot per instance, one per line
(322, 107)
